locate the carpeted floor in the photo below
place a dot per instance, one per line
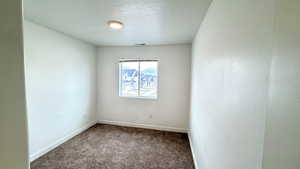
(113, 147)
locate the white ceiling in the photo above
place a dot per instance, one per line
(153, 22)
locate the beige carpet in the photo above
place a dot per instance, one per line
(113, 147)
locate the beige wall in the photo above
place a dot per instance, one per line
(13, 124)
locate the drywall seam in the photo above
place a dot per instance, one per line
(269, 78)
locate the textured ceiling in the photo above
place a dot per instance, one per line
(153, 22)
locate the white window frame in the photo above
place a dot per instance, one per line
(120, 79)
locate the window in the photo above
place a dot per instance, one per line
(138, 78)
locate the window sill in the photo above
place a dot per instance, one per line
(138, 97)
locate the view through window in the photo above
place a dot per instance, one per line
(138, 79)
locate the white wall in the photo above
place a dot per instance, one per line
(230, 71)
(282, 142)
(13, 123)
(60, 86)
(245, 86)
(171, 109)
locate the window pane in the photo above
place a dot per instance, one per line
(148, 79)
(129, 78)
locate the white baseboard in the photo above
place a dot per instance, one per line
(145, 126)
(60, 141)
(193, 150)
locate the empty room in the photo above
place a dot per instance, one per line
(150, 84)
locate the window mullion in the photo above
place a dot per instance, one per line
(139, 79)
(120, 79)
